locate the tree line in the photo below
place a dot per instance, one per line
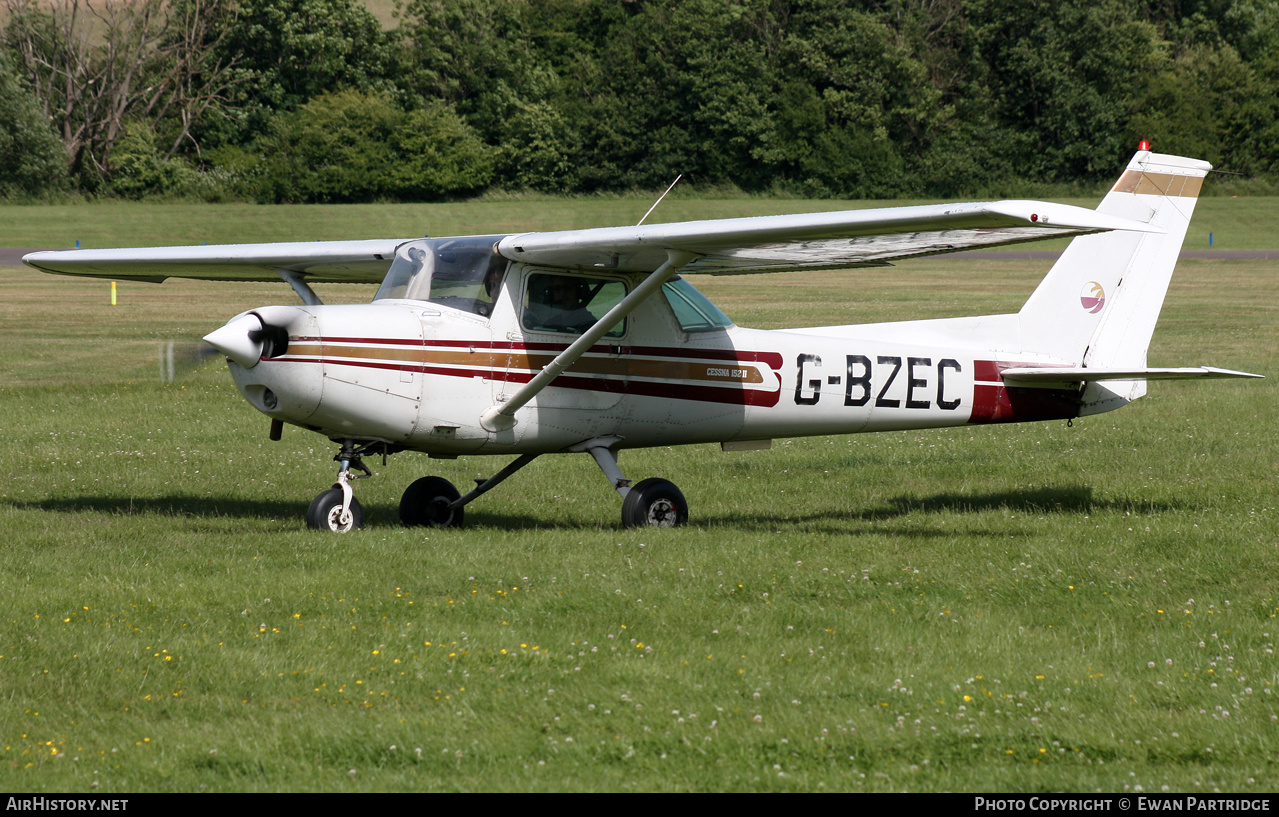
(315, 101)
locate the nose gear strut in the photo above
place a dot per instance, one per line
(337, 509)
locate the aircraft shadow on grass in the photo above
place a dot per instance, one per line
(206, 507)
(168, 505)
(1070, 499)
(1064, 499)
(1077, 499)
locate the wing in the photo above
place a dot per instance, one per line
(848, 238)
(353, 262)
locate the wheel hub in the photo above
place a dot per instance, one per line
(438, 512)
(661, 513)
(340, 519)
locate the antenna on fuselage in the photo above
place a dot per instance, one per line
(659, 199)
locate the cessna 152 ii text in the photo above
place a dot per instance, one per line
(590, 341)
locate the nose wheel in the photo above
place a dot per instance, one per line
(327, 513)
(337, 510)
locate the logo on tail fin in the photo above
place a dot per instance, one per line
(1093, 297)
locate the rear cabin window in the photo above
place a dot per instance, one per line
(570, 304)
(692, 309)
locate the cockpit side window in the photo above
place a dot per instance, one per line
(460, 273)
(570, 303)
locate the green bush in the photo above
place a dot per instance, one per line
(138, 170)
(355, 147)
(31, 157)
(438, 155)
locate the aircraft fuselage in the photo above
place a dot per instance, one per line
(420, 374)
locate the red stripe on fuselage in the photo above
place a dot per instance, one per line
(990, 404)
(731, 394)
(993, 402)
(987, 371)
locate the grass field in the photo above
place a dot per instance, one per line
(1018, 608)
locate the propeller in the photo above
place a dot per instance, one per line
(179, 357)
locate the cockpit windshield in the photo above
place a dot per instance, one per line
(461, 273)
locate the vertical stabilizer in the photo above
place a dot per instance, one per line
(1099, 304)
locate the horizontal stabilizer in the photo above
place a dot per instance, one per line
(1056, 378)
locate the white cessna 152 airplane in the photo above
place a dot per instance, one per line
(589, 340)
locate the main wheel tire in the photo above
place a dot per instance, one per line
(654, 502)
(326, 511)
(425, 504)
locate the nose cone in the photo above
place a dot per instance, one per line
(240, 340)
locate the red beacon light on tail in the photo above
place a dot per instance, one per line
(1144, 144)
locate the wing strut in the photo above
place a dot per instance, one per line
(502, 416)
(300, 286)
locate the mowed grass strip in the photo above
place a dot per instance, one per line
(1018, 608)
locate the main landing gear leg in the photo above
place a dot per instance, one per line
(337, 510)
(655, 502)
(434, 502)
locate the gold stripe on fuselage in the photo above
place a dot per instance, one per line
(719, 372)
